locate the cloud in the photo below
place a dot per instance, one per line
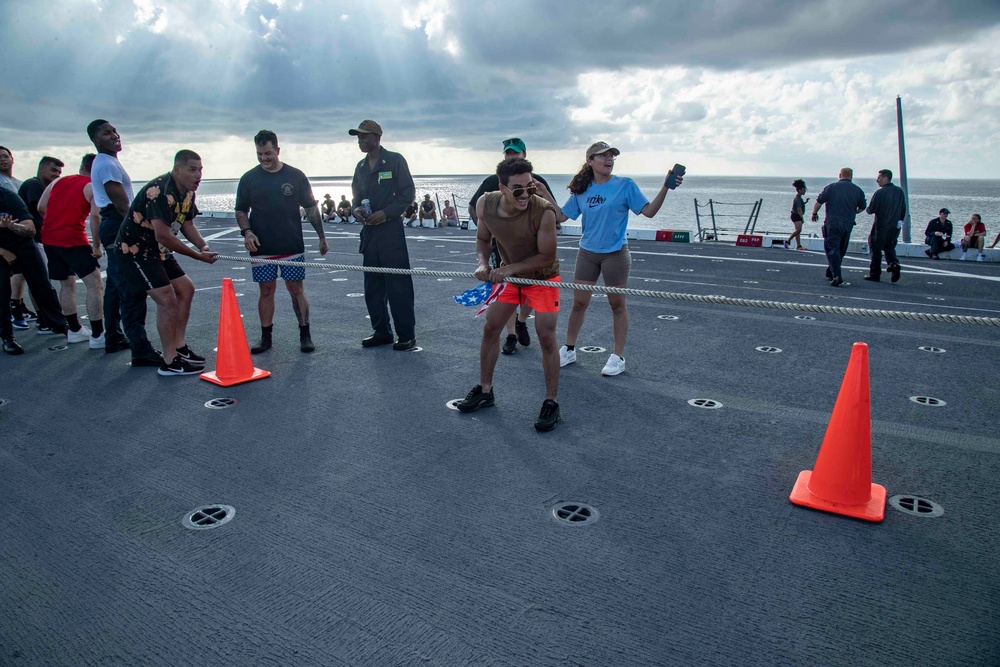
(769, 83)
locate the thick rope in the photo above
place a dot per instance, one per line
(630, 291)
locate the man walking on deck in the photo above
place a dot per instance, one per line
(844, 200)
(112, 189)
(67, 206)
(267, 210)
(888, 205)
(524, 225)
(383, 179)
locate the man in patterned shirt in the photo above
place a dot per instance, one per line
(145, 245)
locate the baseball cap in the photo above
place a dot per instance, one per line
(601, 147)
(514, 144)
(367, 127)
(945, 211)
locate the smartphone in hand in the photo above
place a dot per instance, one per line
(672, 175)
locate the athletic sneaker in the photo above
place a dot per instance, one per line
(615, 366)
(44, 330)
(475, 399)
(179, 367)
(964, 256)
(522, 332)
(18, 322)
(981, 257)
(785, 244)
(98, 342)
(566, 356)
(81, 336)
(510, 345)
(187, 354)
(548, 417)
(27, 314)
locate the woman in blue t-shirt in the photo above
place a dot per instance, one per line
(604, 201)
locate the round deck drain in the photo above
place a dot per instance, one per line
(439, 246)
(338, 280)
(807, 318)
(650, 280)
(929, 348)
(687, 270)
(766, 348)
(222, 403)
(929, 401)
(935, 298)
(208, 516)
(355, 295)
(3, 402)
(828, 296)
(751, 282)
(419, 268)
(454, 252)
(933, 283)
(321, 259)
(718, 260)
(916, 506)
(593, 349)
(773, 270)
(57, 348)
(238, 280)
(444, 280)
(706, 403)
(669, 318)
(452, 404)
(575, 514)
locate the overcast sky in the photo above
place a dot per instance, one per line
(727, 87)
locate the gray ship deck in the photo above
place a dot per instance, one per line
(376, 526)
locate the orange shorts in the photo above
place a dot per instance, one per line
(542, 299)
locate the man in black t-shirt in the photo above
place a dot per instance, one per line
(17, 231)
(428, 212)
(517, 327)
(344, 209)
(267, 210)
(30, 192)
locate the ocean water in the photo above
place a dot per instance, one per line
(733, 198)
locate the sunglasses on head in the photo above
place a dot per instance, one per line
(511, 142)
(518, 191)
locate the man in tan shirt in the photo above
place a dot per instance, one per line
(524, 225)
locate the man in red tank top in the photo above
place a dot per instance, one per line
(68, 204)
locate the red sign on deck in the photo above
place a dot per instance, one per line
(750, 240)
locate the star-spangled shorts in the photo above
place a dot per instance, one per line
(265, 273)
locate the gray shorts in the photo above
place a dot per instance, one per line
(614, 266)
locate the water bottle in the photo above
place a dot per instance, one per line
(367, 205)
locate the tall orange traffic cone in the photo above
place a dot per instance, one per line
(841, 480)
(233, 364)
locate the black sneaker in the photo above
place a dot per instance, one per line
(510, 345)
(44, 330)
(837, 282)
(26, 314)
(10, 346)
(873, 279)
(548, 417)
(894, 270)
(179, 367)
(475, 399)
(153, 359)
(522, 332)
(112, 345)
(187, 354)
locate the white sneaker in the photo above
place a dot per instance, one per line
(81, 336)
(566, 356)
(97, 343)
(964, 255)
(981, 257)
(615, 366)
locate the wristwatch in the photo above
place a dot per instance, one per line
(244, 230)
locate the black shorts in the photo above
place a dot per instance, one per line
(77, 260)
(796, 217)
(142, 275)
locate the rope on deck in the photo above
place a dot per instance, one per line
(655, 294)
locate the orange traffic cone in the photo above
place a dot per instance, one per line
(841, 480)
(233, 364)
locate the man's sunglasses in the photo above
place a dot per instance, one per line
(518, 190)
(511, 142)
